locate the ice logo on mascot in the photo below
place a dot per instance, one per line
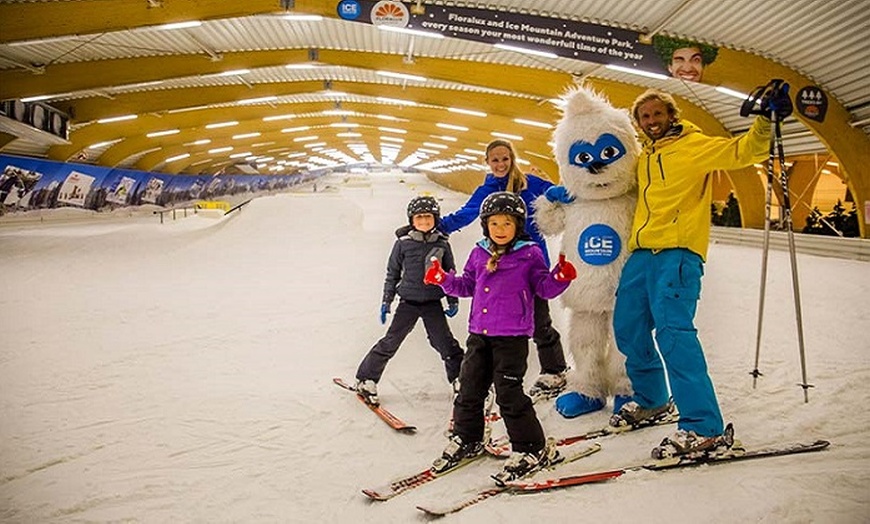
(599, 245)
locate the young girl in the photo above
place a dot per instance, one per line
(504, 273)
(505, 175)
(416, 244)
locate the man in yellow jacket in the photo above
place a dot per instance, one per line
(660, 283)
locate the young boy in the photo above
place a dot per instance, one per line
(504, 273)
(417, 243)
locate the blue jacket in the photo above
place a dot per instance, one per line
(491, 184)
(503, 302)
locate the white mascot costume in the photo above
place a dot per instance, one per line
(596, 149)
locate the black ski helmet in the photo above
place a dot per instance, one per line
(503, 203)
(422, 205)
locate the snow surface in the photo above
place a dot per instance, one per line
(182, 373)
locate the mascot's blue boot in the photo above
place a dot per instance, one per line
(574, 404)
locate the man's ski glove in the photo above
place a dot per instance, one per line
(778, 102)
(434, 275)
(452, 310)
(767, 100)
(558, 194)
(385, 310)
(564, 270)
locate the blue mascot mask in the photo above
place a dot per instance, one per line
(594, 157)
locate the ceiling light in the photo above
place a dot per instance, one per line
(412, 32)
(303, 18)
(295, 129)
(348, 135)
(301, 66)
(532, 153)
(433, 144)
(257, 100)
(634, 71)
(393, 130)
(167, 132)
(177, 157)
(402, 76)
(526, 51)
(466, 111)
(36, 98)
(445, 137)
(533, 123)
(475, 152)
(221, 124)
(315, 144)
(390, 118)
(198, 142)
(305, 138)
(392, 139)
(277, 117)
(235, 72)
(179, 25)
(240, 155)
(220, 150)
(101, 144)
(507, 136)
(343, 124)
(395, 101)
(731, 92)
(117, 119)
(451, 126)
(246, 135)
(430, 151)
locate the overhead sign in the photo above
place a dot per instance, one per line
(564, 38)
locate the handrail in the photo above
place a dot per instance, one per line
(238, 207)
(819, 245)
(173, 210)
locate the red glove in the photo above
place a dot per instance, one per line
(434, 275)
(565, 270)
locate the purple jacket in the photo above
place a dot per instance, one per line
(502, 302)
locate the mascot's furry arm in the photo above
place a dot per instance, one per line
(550, 211)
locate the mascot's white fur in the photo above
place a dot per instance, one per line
(596, 148)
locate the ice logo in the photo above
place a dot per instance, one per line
(599, 245)
(349, 9)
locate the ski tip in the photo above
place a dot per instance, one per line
(373, 495)
(408, 430)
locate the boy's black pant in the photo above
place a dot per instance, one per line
(501, 361)
(404, 320)
(547, 340)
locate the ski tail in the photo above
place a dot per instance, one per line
(387, 416)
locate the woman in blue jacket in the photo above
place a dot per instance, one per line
(506, 176)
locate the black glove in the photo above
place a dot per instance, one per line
(767, 100)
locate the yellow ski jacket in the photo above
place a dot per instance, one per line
(674, 186)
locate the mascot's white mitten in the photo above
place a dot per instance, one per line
(596, 149)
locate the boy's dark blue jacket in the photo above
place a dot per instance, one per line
(411, 256)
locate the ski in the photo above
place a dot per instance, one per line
(488, 493)
(392, 420)
(409, 482)
(732, 455)
(665, 418)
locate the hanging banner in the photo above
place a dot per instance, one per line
(564, 38)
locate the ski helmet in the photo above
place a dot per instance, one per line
(503, 203)
(422, 205)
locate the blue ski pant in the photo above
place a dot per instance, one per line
(659, 292)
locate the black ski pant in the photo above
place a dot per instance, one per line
(404, 320)
(501, 361)
(547, 340)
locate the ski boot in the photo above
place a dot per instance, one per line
(455, 452)
(548, 385)
(632, 414)
(521, 464)
(368, 390)
(689, 444)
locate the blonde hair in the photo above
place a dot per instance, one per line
(654, 94)
(517, 181)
